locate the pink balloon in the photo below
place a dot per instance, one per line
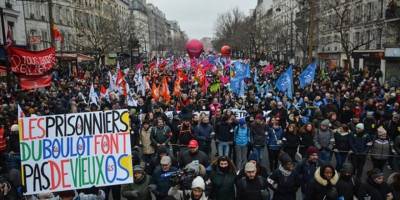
(194, 48)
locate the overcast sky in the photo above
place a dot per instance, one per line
(197, 17)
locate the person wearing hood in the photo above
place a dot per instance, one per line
(347, 185)
(359, 148)
(138, 190)
(342, 145)
(375, 187)
(306, 168)
(197, 191)
(324, 140)
(222, 178)
(241, 139)
(284, 181)
(380, 149)
(323, 186)
(193, 153)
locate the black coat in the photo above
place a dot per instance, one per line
(188, 157)
(375, 191)
(286, 186)
(319, 187)
(347, 188)
(251, 189)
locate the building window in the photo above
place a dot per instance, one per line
(45, 39)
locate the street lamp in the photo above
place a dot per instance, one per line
(291, 26)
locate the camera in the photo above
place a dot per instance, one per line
(183, 178)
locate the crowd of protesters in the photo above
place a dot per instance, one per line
(317, 142)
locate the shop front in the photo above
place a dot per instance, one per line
(329, 60)
(392, 66)
(372, 60)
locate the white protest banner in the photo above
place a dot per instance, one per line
(198, 113)
(75, 151)
(169, 114)
(239, 113)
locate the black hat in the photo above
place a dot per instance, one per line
(285, 159)
(162, 149)
(347, 168)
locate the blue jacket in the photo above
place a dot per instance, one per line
(274, 135)
(358, 143)
(242, 135)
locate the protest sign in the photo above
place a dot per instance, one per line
(239, 113)
(75, 151)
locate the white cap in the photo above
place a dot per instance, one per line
(14, 128)
(360, 126)
(165, 160)
(250, 167)
(198, 182)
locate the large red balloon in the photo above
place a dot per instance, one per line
(226, 50)
(194, 48)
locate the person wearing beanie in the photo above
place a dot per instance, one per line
(138, 190)
(359, 149)
(380, 149)
(347, 183)
(306, 168)
(197, 191)
(223, 176)
(323, 184)
(324, 140)
(261, 170)
(252, 186)
(284, 181)
(241, 139)
(375, 187)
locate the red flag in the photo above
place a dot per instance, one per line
(268, 69)
(103, 91)
(28, 83)
(164, 90)
(57, 34)
(155, 92)
(120, 77)
(177, 88)
(205, 86)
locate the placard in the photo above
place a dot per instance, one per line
(75, 151)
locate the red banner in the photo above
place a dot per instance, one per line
(32, 67)
(31, 63)
(28, 83)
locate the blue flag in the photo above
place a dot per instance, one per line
(308, 75)
(285, 82)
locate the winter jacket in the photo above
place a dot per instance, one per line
(163, 183)
(274, 138)
(145, 139)
(307, 140)
(187, 157)
(223, 185)
(284, 184)
(160, 135)
(203, 132)
(324, 139)
(140, 187)
(178, 194)
(342, 141)
(224, 132)
(396, 145)
(380, 149)
(258, 136)
(291, 141)
(347, 188)
(252, 189)
(305, 170)
(358, 143)
(373, 190)
(242, 135)
(320, 187)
